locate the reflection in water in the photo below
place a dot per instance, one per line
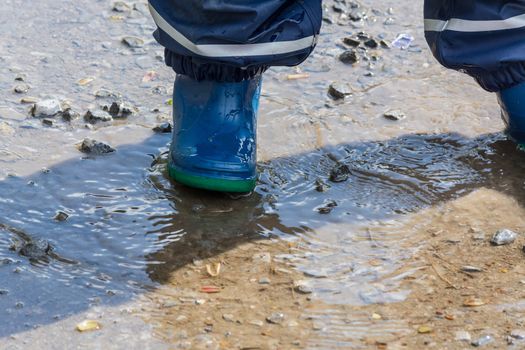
(129, 227)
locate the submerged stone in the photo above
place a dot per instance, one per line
(61, 216)
(327, 208)
(340, 173)
(35, 249)
(320, 186)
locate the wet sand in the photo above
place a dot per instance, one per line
(381, 270)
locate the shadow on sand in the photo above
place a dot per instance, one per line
(129, 227)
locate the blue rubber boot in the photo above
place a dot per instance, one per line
(512, 103)
(214, 134)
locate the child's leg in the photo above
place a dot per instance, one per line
(485, 39)
(219, 49)
(232, 40)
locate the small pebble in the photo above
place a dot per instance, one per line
(121, 6)
(120, 110)
(463, 336)
(91, 146)
(504, 237)
(518, 334)
(181, 318)
(21, 88)
(46, 108)
(394, 115)
(70, 115)
(103, 93)
(47, 122)
(339, 90)
(484, 340)
(264, 280)
(228, 318)
(163, 128)
(61, 216)
(372, 43)
(275, 318)
(97, 116)
(349, 57)
(351, 42)
(256, 323)
(327, 208)
(471, 269)
(340, 173)
(320, 186)
(133, 41)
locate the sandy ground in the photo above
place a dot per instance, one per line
(445, 302)
(260, 299)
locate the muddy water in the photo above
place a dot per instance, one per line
(130, 229)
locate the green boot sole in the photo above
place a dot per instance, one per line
(210, 183)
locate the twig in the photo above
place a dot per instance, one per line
(443, 278)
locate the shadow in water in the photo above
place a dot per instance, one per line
(129, 227)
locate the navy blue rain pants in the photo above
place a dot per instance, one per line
(233, 40)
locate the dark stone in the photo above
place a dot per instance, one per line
(349, 57)
(363, 36)
(372, 43)
(327, 208)
(320, 186)
(95, 147)
(61, 216)
(339, 8)
(351, 42)
(36, 249)
(394, 115)
(47, 122)
(355, 15)
(164, 128)
(119, 110)
(69, 114)
(93, 117)
(339, 91)
(340, 173)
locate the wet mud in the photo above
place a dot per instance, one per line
(382, 180)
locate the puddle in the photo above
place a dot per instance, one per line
(132, 233)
